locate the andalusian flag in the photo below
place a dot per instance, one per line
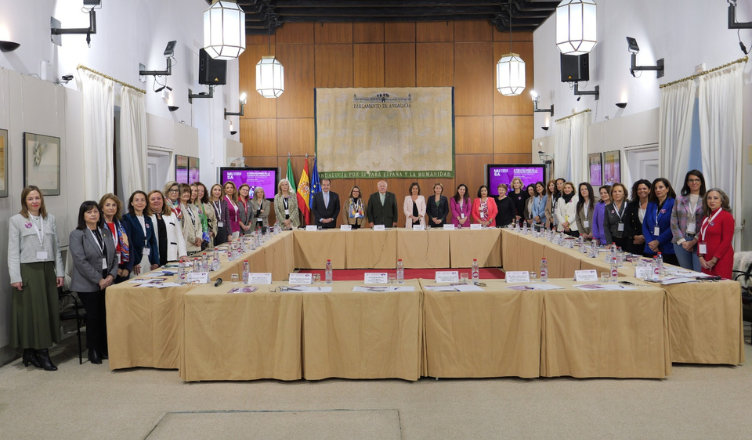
(304, 192)
(290, 176)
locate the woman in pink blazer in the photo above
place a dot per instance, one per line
(414, 207)
(460, 205)
(484, 209)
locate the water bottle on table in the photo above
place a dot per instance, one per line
(328, 274)
(475, 270)
(246, 271)
(400, 271)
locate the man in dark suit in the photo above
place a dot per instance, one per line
(325, 206)
(382, 207)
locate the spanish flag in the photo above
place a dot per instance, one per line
(304, 192)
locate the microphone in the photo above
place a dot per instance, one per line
(218, 282)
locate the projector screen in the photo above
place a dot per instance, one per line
(266, 178)
(501, 173)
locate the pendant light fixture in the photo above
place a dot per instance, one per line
(224, 30)
(270, 75)
(510, 70)
(576, 27)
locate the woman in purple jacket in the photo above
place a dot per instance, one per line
(599, 233)
(460, 205)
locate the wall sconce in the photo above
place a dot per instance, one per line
(545, 158)
(169, 53)
(732, 24)
(92, 29)
(9, 46)
(535, 105)
(232, 130)
(595, 93)
(172, 108)
(545, 128)
(191, 96)
(635, 49)
(621, 104)
(242, 107)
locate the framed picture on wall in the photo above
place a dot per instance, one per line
(42, 163)
(596, 169)
(611, 167)
(181, 168)
(3, 163)
(193, 170)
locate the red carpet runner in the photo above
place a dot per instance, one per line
(410, 274)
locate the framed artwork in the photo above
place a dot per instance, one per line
(42, 163)
(181, 168)
(3, 163)
(193, 170)
(611, 167)
(595, 166)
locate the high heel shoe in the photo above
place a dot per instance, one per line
(30, 357)
(94, 357)
(43, 356)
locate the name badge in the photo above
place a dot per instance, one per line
(449, 227)
(41, 255)
(451, 276)
(259, 220)
(419, 228)
(482, 215)
(220, 224)
(620, 227)
(287, 212)
(585, 275)
(147, 251)
(476, 226)
(300, 278)
(462, 215)
(259, 278)
(703, 248)
(379, 228)
(691, 227)
(517, 277)
(345, 227)
(311, 228)
(375, 278)
(657, 231)
(104, 263)
(586, 224)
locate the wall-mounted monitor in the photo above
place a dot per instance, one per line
(181, 168)
(611, 167)
(596, 167)
(497, 174)
(193, 170)
(266, 178)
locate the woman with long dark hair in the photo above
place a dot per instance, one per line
(636, 210)
(112, 209)
(461, 206)
(585, 209)
(599, 234)
(657, 224)
(145, 248)
(566, 211)
(685, 220)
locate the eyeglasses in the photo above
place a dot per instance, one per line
(173, 190)
(694, 180)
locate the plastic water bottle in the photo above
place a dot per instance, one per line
(475, 270)
(328, 274)
(204, 263)
(196, 265)
(659, 260)
(656, 269)
(544, 271)
(246, 271)
(215, 260)
(400, 271)
(181, 273)
(614, 271)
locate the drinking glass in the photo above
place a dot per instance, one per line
(463, 277)
(317, 278)
(392, 278)
(533, 276)
(234, 278)
(605, 277)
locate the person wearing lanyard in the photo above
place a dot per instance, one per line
(220, 210)
(35, 266)
(566, 211)
(245, 217)
(231, 217)
(505, 210)
(716, 253)
(528, 212)
(584, 211)
(599, 213)
(144, 247)
(172, 194)
(95, 267)
(519, 196)
(112, 209)
(414, 207)
(657, 224)
(460, 206)
(437, 207)
(540, 201)
(259, 208)
(286, 206)
(355, 209)
(191, 224)
(616, 227)
(636, 209)
(685, 220)
(208, 220)
(484, 209)
(167, 228)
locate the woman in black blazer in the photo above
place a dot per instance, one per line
(636, 212)
(95, 267)
(112, 210)
(142, 234)
(437, 207)
(616, 223)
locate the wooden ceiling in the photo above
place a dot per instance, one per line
(264, 17)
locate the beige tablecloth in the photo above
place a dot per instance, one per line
(369, 249)
(482, 244)
(313, 248)
(423, 249)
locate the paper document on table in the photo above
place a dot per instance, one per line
(243, 289)
(148, 280)
(609, 286)
(687, 273)
(305, 289)
(454, 288)
(383, 289)
(159, 285)
(159, 273)
(667, 281)
(542, 286)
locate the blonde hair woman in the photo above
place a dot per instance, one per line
(286, 206)
(258, 210)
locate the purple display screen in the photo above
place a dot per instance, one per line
(266, 178)
(181, 175)
(594, 161)
(498, 174)
(611, 167)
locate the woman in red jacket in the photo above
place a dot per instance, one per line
(484, 208)
(716, 234)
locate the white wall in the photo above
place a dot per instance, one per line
(683, 32)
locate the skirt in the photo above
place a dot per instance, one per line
(35, 317)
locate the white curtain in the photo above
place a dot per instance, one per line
(675, 130)
(720, 96)
(99, 134)
(562, 147)
(571, 147)
(132, 154)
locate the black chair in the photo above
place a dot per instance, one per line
(73, 311)
(745, 278)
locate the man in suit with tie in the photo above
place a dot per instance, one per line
(382, 207)
(325, 206)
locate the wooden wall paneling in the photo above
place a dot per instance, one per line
(342, 187)
(434, 31)
(473, 135)
(259, 40)
(368, 65)
(473, 30)
(327, 33)
(334, 65)
(435, 65)
(471, 170)
(295, 33)
(259, 137)
(257, 106)
(521, 104)
(513, 134)
(261, 162)
(399, 65)
(399, 32)
(474, 78)
(368, 32)
(513, 158)
(516, 36)
(295, 136)
(297, 99)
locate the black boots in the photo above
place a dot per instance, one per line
(43, 357)
(30, 357)
(94, 356)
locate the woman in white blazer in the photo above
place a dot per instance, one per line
(566, 211)
(191, 221)
(168, 230)
(414, 207)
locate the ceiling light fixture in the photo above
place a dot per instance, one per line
(576, 26)
(510, 70)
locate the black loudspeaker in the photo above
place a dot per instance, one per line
(575, 68)
(211, 71)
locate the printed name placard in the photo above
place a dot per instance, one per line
(198, 278)
(448, 276)
(585, 275)
(449, 227)
(644, 272)
(376, 278)
(379, 228)
(517, 276)
(345, 227)
(311, 228)
(419, 228)
(476, 226)
(259, 278)
(300, 278)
